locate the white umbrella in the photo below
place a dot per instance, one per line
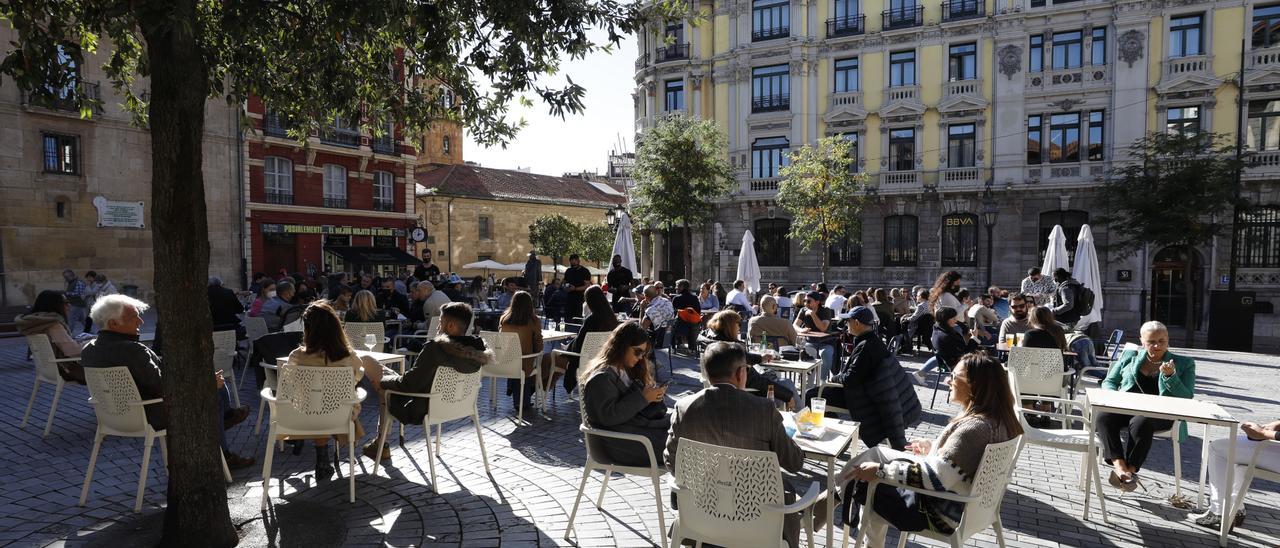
(1056, 255)
(489, 264)
(622, 244)
(748, 266)
(1086, 272)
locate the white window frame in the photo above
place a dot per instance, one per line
(277, 175)
(335, 181)
(383, 185)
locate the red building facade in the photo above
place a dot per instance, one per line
(341, 201)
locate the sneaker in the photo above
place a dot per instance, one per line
(235, 416)
(371, 451)
(1207, 519)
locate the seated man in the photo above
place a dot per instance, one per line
(274, 309)
(769, 325)
(453, 348)
(120, 318)
(728, 416)
(510, 286)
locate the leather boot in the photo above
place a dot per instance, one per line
(324, 465)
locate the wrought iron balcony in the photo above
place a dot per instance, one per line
(642, 60)
(383, 205)
(771, 103)
(345, 137)
(902, 18)
(848, 25)
(958, 10)
(384, 145)
(65, 98)
(338, 203)
(770, 33)
(673, 52)
(284, 198)
(276, 125)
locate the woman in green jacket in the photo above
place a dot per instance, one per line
(1152, 370)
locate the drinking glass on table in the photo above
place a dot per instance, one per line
(370, 341)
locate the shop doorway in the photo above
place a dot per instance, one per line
(1171, 291)
(279, 251)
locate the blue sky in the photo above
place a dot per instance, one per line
(550, 145)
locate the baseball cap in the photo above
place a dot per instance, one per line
(814, 295)
(862, 314)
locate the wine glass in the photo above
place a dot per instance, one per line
(370, 341)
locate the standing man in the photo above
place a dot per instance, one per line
(1066, 300)
(426, 270)
(75, 293)
(532, 273)
(1036, 288)
(578, 278)
(619, 280)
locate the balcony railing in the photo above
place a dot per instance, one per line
(770, 33)
(642, 61)
(384, 145)
(903, 93)
(1263, 164)
(848, 25)
(959, 10)
(1196, 64)
(961, 177)
(899, 179)
(846, 98)
(276, 125)
(902, 18)
(964, 87)
(65, 98)
(771, 103)
(383, 205)
(1070, 79)
(769, 184)
(339, 203)
(674, 52)
(1264, 57)
(285, 198)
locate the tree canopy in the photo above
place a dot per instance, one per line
(553, 235)
(594, 242)
(821, 192)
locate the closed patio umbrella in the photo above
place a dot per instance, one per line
(623, 245)
(1056, 255)
(1086, 272)
(748, 266)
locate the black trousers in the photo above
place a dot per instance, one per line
(1140, 431)
(902, 508)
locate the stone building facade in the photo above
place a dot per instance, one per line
(62, 178)
(1017, 108)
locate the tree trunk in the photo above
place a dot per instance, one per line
(1188, 277)
(197, 513)
(688, 252)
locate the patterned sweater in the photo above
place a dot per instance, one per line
(949, 467)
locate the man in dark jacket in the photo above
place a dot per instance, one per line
(120, 318)
(1065, 302)
(453, 348)
(877, 392)
(225, 307)
(532, 272)
(619, 280)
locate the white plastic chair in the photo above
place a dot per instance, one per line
(1065, 439)
(312, 402)
(356, 332)
(120, 412)
(981, 504)
(46, 362)
(270, 380)
(224, 359)
(593, 439)
(1250, 473)
(1039, 371)
(509, 364)
(453, 396)
(591, 346)
(733, 497)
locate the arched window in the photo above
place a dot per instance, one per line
(773, 248)
(960, 240)
(1071, 221)
(901, 240)
(1258, 238)
(845, 252)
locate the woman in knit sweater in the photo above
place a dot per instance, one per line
(947, 464)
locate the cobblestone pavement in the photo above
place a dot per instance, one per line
(535, 472)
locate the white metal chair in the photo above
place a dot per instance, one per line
(1065, 439)
(591, 346)
(224, 359)
(46, 362)
(981, 504)
(356, 332)
(453, 396)
(1250, 473)
(254, 327)
(312, 402)
(733, 497)
(509, 364)
(120, 412)
(593, 440)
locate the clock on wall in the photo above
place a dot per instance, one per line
(418, 234)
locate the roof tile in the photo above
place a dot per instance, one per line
(489, 183)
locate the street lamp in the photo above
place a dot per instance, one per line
(614, 215)
(990, 210)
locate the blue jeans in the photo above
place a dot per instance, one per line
(825, 351)
(224, 404)
(929, 365)
(1083, 347)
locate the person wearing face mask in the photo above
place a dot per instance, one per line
(390, 299)
(266, 291)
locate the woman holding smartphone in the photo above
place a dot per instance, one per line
(1152, 370)
(619, 394)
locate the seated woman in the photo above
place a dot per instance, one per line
(1152, 370)
(724, 327)
(48, 316)
(324, 344)
(521, 319)
(619, 394)
(265, 293)
(979, 385)
(949, 343)
(1268, 459)
(1044, 332)
(364, 308)
(600, 319)
(707, 300)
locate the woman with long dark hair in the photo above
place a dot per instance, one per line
(619, 394)
(1045, 331)
(521, 319)
(48, 316)
(943, 294)
(600, 319)
(324, 344)
(947, 464)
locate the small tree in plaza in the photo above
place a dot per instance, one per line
(820, 191)
(595, 243)
(309, 61)
(681, 170)
(1178, 191)
(554, 236)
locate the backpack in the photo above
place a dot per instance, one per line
(1084, 301)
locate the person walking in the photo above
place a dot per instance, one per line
(75, 294)
(532, 272)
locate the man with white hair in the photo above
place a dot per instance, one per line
(120, 318)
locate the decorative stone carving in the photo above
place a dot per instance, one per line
(695, 81)
(1010, 60)
(1130, 46)
(1067, 104)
